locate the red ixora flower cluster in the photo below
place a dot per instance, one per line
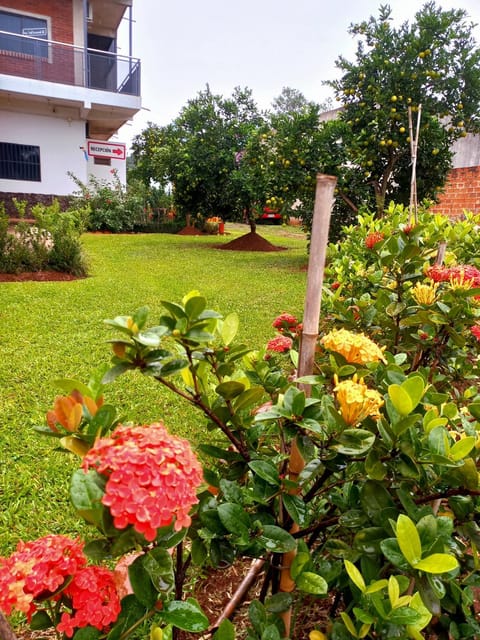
(288, 324)
(476, 331)
(94, 600)
(54, 567)
(152, 477)
(464, 272)
(280, 344)
(372, 239)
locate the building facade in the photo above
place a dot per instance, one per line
(65, 91)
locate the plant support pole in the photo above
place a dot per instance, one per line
(324, 196)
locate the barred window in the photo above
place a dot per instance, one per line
(19, 162)
(21, 31)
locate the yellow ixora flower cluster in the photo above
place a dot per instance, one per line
(425, 293)
(356, 401)
(354, 347)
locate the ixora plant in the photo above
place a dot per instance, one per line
(357, 485)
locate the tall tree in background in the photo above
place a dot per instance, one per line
(198, 154)
(435, 62)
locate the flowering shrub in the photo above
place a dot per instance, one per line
(357, 485)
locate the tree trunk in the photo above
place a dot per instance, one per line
(251, 219)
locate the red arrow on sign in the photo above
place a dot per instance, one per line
(119, 152)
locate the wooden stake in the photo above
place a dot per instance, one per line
(324, 197)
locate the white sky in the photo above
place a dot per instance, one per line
(260, 44)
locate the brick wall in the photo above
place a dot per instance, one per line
(61, 66)
(462, 191)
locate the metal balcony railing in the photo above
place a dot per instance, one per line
(40, 59)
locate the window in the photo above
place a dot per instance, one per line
(22, 29)
(101, 160)
(19, 162)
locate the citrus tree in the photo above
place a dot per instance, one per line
(433, 62)
(199, 152)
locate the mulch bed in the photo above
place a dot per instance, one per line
(38, 276)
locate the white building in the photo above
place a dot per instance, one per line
(64, 93)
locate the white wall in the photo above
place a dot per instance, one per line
(62, 144)
(59, 141)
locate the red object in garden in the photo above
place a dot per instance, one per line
(270, 215)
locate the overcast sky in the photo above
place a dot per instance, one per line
(261, 44)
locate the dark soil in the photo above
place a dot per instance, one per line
(250, 242)
(38, 276)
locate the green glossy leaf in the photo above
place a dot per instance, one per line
(296, 508)
(86, 493)
(175, 309)
(248, 398)
(403, 616)
(185, 615)
(437, 563)
(40, 621)
(142, 585)
(194, 306)
(87, 633)
(400, 399)
(462, 448)
(173, 367)
(300, 561)
(225, 631)
(132, 611)
(276, 539)
(414, 385)
(231, 389)
(257, 616)
(152, 337)
(113, 373)
(408, 539)
(229, 328)
(234, 518)
(265, 470)
(354, 442)
(159, 566)
(271, 632)
(279, 602)
(310, 582)
(355, 575)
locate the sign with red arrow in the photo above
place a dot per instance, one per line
(100, 149)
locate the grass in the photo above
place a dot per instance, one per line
(53, 330)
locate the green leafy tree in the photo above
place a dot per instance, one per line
(432, 62)
(199, 153)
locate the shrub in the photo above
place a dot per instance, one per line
(356, 485)
(112, 207)
(52, 243)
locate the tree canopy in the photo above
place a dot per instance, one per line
(432, 62)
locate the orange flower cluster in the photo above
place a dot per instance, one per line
(152, 477)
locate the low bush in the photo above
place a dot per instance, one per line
(53, 242)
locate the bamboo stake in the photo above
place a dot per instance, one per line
(324, 197)
(413, 151)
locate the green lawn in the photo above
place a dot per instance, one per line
(55, 329)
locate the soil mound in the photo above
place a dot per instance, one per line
(250, 242)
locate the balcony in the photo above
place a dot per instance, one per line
(49, 61)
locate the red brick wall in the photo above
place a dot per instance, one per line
(462, 191)
(60, 68)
